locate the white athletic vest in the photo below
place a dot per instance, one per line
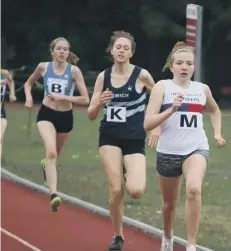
(183, 132)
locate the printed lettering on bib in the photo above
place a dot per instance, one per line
(189, 121)
(116, 114)
(57, 86)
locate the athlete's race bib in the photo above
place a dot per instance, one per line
(57, 86)
(189, 121)
(116, 114)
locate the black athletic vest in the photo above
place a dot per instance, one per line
(124, 115)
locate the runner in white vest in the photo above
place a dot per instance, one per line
(176, 105)
(183, 132)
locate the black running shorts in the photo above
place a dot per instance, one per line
(3, 111)
(62, 120)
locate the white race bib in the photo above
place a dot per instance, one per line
(56, 89)
(57, 86)
(116, 114)
(189, 121)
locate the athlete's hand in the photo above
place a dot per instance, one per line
(56, 97)
(29, 103)
(106, 96)
(4, 81)
(219, 140)
(153, 137)
(13, 98)
(177, 103)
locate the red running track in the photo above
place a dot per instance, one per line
(27, 215)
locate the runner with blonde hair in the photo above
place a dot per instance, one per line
(176, 105)
(6, 80)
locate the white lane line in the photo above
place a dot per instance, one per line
(25, 243)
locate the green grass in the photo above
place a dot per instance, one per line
(82, 176)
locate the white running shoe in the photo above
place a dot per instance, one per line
(191, 248)
(167, 244)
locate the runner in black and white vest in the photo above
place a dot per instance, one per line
(121, 92)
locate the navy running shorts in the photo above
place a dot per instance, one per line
(170, 165)
(3, 111)
(127, 146)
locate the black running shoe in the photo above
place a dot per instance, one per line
(117, 243)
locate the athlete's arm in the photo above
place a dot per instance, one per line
(10, 83)
(147, 80)
(153, 135)
(33, 77)
(214, 111)
(152, 117)
(80, 83)
(95, 104)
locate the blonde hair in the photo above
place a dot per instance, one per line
(179, 46)
(7, 74)
(72, 58)
(119, 34)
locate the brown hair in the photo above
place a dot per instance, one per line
(119, 34)
(56, 40)
(179, 46)
(72, 58)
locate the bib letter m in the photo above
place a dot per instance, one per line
(187, 122)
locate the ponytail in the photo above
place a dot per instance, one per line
(72, 58)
